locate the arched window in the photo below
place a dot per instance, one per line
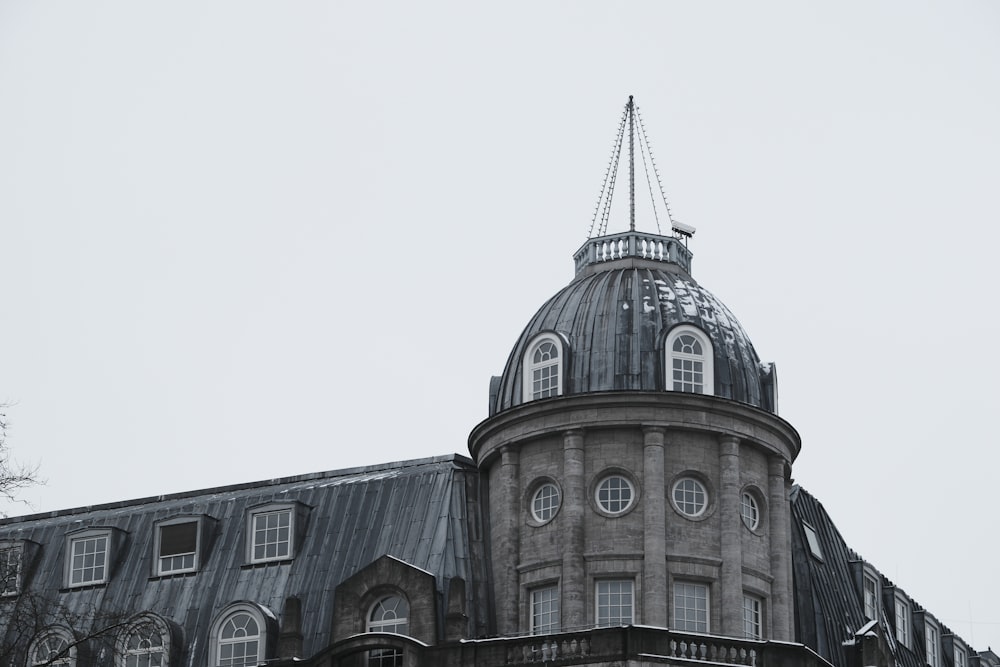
(543, 368)
(689, 361)
(54, 647)
(239, 637)
(145, 643)
(390, 614)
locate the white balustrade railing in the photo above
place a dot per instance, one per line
(633, 244)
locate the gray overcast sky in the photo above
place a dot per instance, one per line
(241, 240)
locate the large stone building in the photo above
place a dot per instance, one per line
(628, 501)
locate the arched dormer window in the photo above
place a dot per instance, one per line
(145, 642)
(239, 637)
(689, 361)
(54, 647)
(543, 367)
(389, 614)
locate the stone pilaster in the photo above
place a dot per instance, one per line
(731, 574)
(779, 530)
(573, 581)
(654, 564)
(510, 539)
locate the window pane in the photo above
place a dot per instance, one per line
(545, 610)
(272, 535)
(545, 502)
(178, 538)
(691, 607)
(614, 602)
(751, 617)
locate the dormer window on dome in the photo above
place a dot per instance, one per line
(543, 367)
(689, 358)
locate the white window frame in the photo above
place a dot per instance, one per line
(158, 558)
(544, 603)
(530, 366)
(387, 657)
(545, 507)
(79, 541)
(220, 624)
(274, 509)
(902, 624)
(691, 590)
(932, 643)
(614, 495)
(68, 660)
(812, 540)
(138, 623)
(706, 359)
(610, 595)
(681, 505)
(961, 656)
(11, 567)
(870, 596)
(753, 616)
(750, 510)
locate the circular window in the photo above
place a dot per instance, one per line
(690, 497)
(750, 511)
(545, 502)
(615, 494)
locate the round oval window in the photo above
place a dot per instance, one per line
(690, 497)
(615, 494)
(750, 511)
(545, 502)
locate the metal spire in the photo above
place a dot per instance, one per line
(602, 211)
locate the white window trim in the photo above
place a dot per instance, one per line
(757, 505)
(534, 496)
(958, 650)
(532, 629)
(876, 606)
(932, 631)
(707, 358)
(597, 601)
(758, 604)
(59, 631)
(704, 489)
(122, 654)
(528, 366)
(251, 533)
(6, 549)
(227, 613)
(708, 605)
(812, 541)
(903, 607)
(158, 560)
(633, 493)
(79, 536)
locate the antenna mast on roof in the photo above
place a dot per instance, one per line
(602, 211)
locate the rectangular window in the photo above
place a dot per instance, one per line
(961, 660)
(545, 610)
(813, 540)
(690, 607)
(751, 617)
(614, 602)
(177, 547)
(871, 598)
(88, 560)
(902, 623)
(933, 652)
(10, 570)
(272, 535)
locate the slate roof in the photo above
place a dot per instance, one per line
(421, 511)
(615, 318)
(829, 604)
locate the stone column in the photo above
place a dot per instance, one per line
(509, 538)
(731, 583)
(779, 530)
(654, 503)
(573, 581)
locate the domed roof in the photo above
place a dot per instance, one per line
(630, 292)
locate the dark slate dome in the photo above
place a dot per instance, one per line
(629, 292)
